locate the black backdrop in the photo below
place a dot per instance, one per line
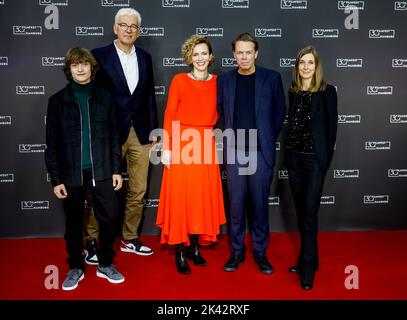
(365, 187)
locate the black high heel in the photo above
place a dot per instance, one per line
(181, 259)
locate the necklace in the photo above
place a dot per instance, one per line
(197, 78)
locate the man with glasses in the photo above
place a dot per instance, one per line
(126, 72)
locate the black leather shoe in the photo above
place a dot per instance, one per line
(194, 254)
(233, 262)
(294, 269)
(264, 264)
(197, 258)
(306, 286)
(307, 278)
(181, 260)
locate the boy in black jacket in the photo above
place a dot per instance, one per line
(83, 152)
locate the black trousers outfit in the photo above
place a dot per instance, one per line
(306, 182)
(106, 212)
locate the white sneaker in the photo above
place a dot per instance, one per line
(136, 246)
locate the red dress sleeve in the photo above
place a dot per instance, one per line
(170, 112)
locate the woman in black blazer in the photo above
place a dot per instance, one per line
(310, 141)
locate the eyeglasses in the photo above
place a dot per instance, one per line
(124, 27)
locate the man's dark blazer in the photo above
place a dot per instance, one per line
(324, 117)
(140, 107)
(269, 106)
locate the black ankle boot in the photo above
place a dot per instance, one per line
(193, 252)
(181, 259)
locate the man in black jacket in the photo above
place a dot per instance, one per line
(83, 153)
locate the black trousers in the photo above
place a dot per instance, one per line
(306, 183)
(106, 212)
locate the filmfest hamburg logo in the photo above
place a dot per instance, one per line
(375, 199)
(89, 31)
(342, 5)
(159, 90)
(381, 33)
(377, 145)
(152, 31)
(327, 200)
(400, 5)
(283, 174)
(293, 4)
(349, 118)
(287, 62)
(173, 62)
(150, 203)
(397, 173)
(6, 177)
(115, 3)
(27, 30)
(345, 174)
(239, 4)
(229, 62)
(325, 33)
(399, 63)
(274, 201)
(5, 120)
(52, 61)
(379, 90)
(175, 3)
(3, 61)
(34, 205)
(398, 118)
(53, 2)
(268, 32)
(349, 63)
(210, 32)
(28, 90)
(31, 148)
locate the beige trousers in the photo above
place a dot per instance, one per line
(137, 158)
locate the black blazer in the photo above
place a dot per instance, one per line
(324, 117)
(140, 107)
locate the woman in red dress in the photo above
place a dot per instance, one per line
(191, 202)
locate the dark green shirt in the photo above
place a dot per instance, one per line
(81, 94)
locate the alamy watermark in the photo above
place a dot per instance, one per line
(199, 147)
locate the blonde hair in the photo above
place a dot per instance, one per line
(189, 45)
(317, 83)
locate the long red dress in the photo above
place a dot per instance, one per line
(191, 200)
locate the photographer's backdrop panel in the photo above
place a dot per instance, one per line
(364, 54)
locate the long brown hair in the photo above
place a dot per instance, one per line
(317, 83)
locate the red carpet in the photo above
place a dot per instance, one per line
(380, 256)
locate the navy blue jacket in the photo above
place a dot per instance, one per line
(269, 106)
(138, 108)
